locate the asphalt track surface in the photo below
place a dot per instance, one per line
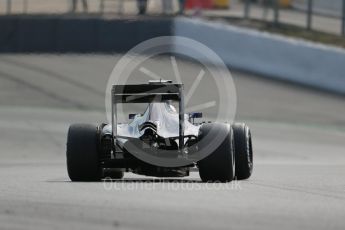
(299, 142)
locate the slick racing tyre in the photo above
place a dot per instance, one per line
(243, 151)
(82, 153)
(219, 166)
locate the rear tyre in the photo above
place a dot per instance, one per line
(219, 166)
(243, 151)
(82, 153)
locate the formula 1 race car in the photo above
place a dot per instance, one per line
(161, 142)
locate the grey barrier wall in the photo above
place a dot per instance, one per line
(270, 55)
(57, 34)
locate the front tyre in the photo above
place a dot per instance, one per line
(219, 166)
(243, 151)
(113, 173)
(82, 153)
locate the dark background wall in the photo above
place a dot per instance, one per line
(80, 35)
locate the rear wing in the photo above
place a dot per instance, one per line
(158, 91)
(146, 93)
